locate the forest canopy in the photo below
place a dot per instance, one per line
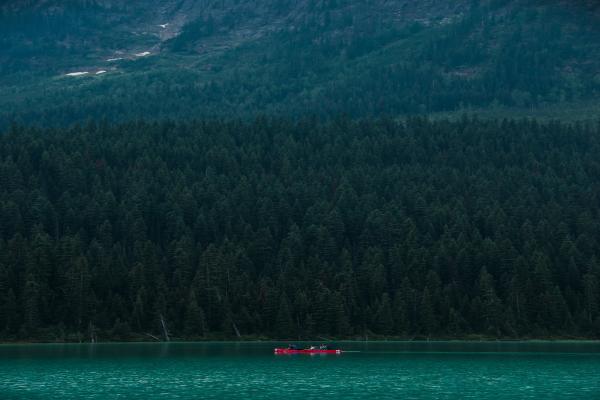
(304, 229)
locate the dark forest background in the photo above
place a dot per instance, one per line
(305, 229)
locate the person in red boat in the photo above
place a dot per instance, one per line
(321, 349)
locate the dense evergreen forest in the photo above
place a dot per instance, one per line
(305, 229)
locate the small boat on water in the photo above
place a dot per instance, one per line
(291, 349)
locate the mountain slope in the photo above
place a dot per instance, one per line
(194, 58)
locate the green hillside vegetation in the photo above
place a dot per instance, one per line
(300, 229)
(299, 169)
(338, 57)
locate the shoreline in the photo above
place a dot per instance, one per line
(269, 340)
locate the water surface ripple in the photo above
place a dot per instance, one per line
(393, 370)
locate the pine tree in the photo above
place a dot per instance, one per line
(409, 297)
(557, 311)
(427, 317)
(10, 313)
(384, 322)
(284, 325)
(491, 305)
(455, 322)
(590, 293)
(400, 316)
(195, 324)
(77, 290)
(341, 324)
(138, 313)
(4, 288)
(31, 312)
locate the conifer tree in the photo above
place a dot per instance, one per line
(384, 322)
(491, 305)
(427, 317)
(195, 324)
(284, 323)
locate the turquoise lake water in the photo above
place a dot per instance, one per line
(390, 370)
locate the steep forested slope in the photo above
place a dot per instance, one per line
(300, 229)
(296, 58)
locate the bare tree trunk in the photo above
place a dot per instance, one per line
(164, 327)
(92, 331)
(153, 337)
(235, 328)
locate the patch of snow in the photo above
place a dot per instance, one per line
(164, 26)
(77, 73)
(450, 20)
(100, 72)
(144, 54)
(114, 59)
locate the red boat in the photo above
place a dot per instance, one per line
(306, 351)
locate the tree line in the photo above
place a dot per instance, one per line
(300, 229)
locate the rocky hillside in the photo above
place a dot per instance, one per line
(81, 27)
(81, 59)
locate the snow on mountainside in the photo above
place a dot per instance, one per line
(302, 56)
(52, 33)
